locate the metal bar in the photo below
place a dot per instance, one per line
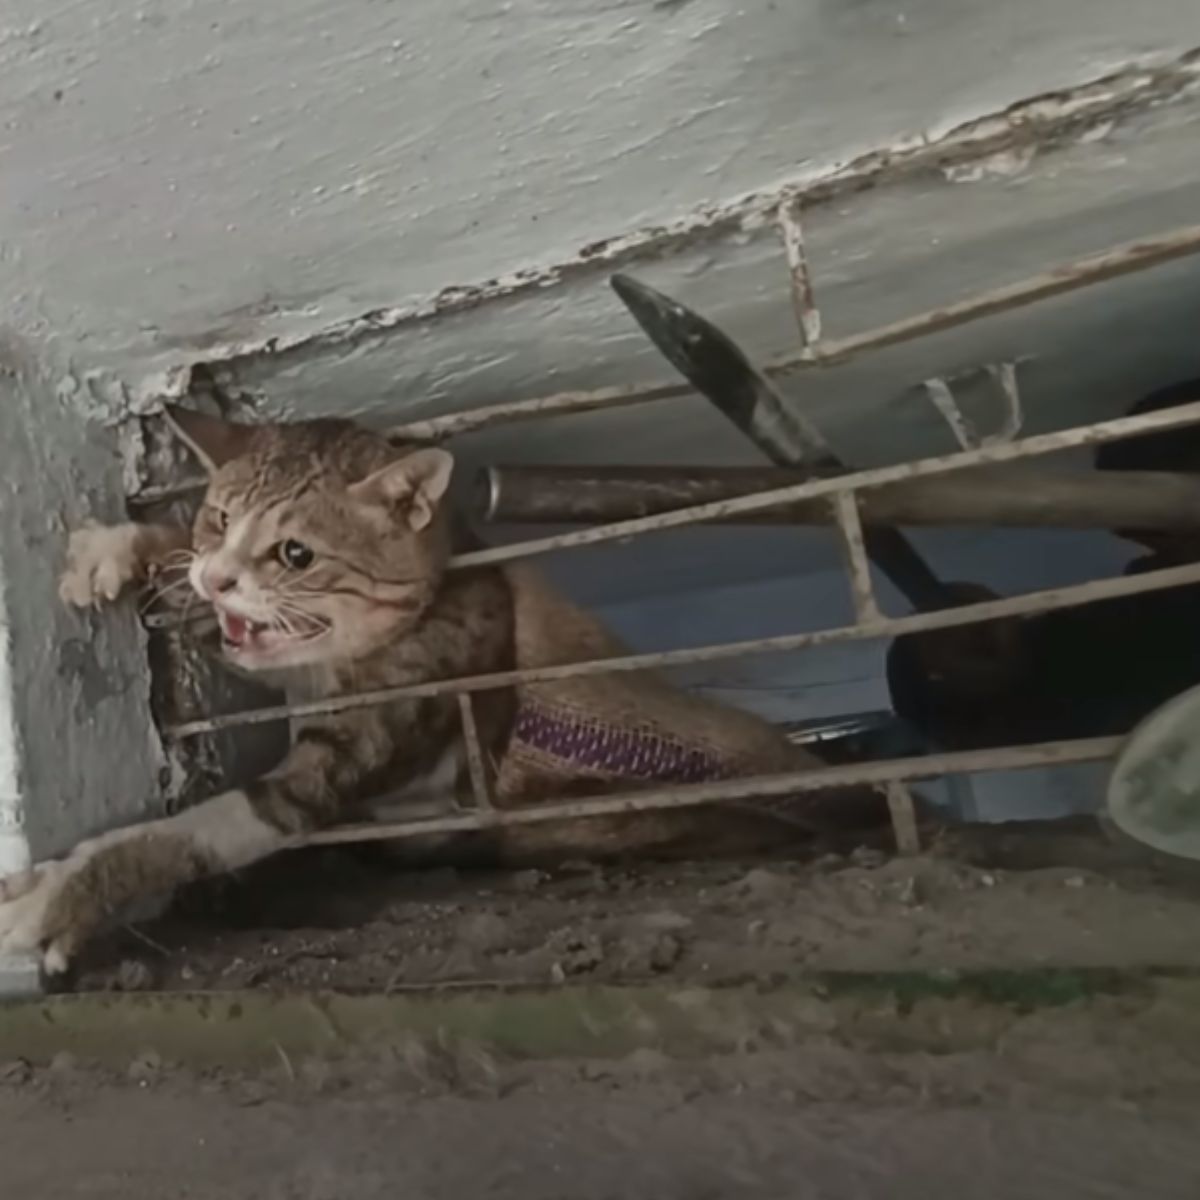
(437, 429)
(1017, 496)
(788, 217)
(481, 783)
(968, 614)
(858, 566)
(877, 774)
(903, 812)
(1125, 259)
(1047, 443)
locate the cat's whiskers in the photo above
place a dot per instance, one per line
(288, 614)
(161, 592)
(289, 586)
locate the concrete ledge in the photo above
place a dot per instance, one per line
(916, 1012)
(20, 976)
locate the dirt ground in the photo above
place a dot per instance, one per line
(330, 919)
(1093, 1098)
(1091, 1102)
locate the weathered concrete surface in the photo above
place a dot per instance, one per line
(180, 175)
(930, 1012)
(78, 751)
(887, 1092)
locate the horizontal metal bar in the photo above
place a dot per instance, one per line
(1126, 259)
(877, 774)
(1046, 443)
(969, 614)
(1012, 496)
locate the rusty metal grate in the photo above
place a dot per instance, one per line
(843, 494)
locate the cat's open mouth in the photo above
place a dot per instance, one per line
(237, 632)
(240, 634)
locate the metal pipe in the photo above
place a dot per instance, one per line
(1019, 497)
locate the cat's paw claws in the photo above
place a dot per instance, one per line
(102, 561)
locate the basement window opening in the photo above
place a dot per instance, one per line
(862, 750)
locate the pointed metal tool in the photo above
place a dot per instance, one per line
(721, 372)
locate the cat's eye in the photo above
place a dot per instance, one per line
(221, 517)
(294, 554)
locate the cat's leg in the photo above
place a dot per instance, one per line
(102, 560)
(56, 906)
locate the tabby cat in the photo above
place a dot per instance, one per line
(322, 549)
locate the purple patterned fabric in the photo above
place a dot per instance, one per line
(626, 753)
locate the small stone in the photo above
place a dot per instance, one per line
(576, 866)
(317, 1074)
(761, 884)
(64, 1063)
(145, 1067)
(250, 1094)
(15, 1073)
(133, 976)
(666, 921)
(868, 858)
(987, 880)
(1075, 881)
(557, 974)
(665, 952)
(577, 953)
(829, 862)
(485, 931)
(526, 881)
(645, 1061)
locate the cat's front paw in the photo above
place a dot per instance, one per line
(102, 560)
(26, 902)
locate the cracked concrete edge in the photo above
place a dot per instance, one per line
(78, 749)
(1045, 121)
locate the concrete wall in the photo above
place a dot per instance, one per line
(183, 175)
(78, 750)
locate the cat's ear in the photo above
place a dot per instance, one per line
(213, 441)
(417, 482)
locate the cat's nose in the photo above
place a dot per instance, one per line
(219, 582)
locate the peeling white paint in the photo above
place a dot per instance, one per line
(965, 153)
(181, 175)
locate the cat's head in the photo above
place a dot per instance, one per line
(317, 541)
